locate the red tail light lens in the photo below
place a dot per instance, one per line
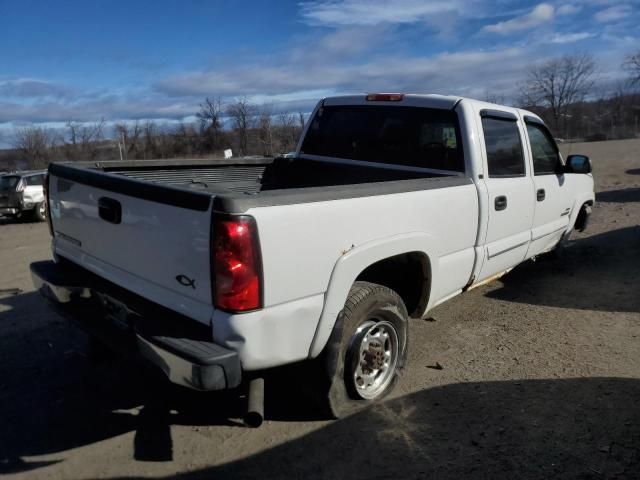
(237, 266)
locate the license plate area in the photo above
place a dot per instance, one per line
(116, 312)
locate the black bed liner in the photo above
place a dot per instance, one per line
(240, 184)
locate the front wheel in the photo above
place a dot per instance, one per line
(40, 212)
(367, 350)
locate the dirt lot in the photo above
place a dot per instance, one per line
(540, 378)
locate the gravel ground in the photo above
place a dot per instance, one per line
(540, 379)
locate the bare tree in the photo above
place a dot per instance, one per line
(242, 113)
(34, 143)
(185, 140)
(493, 97)
(130, 136)
(83, 139)
(632, 66)
(265, 130)
(149, 139)
(210, 117)
(288, 132)
(559, 83)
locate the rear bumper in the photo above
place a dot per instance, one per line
(180, 347)
(9, 211)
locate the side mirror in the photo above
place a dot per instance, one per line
(578, 164)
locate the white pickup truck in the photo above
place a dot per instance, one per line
(393, 203)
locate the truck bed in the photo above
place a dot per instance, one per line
(146, 224)
(254, 175)
(239, 184)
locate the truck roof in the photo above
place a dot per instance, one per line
(430, 100)
(407, 99)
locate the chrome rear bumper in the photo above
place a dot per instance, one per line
(183, 350)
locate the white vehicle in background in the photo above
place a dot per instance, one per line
(22, 195)
(392, 204)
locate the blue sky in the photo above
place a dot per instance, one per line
(83, 60)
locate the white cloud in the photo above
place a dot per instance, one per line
(541, 14)
(568, 9)
(290, 85)
(450, 72)
(613, 13)
(32, 88)
(570, 37)
(374, 12)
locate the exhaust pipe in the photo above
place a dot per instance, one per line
(255, 408)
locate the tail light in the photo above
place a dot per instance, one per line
(21, 185)
(45, 187)
(237, 266)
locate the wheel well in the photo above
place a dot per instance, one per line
(408, 274)
(583, 217)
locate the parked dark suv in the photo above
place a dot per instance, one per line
(22, 194)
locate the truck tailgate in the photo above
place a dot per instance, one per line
(151, 239)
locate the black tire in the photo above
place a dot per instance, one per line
(366, 304)
(40, 212)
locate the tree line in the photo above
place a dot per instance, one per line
(241, 125)
(563, 91)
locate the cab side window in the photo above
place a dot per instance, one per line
(543, 150)
(504, 148)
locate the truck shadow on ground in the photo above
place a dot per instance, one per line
(624, 195)
(55, 396)
(599, 273)
(577, 428)
(54, 399)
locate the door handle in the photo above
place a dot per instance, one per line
(501, 202)
(110, 210)
(540, 194)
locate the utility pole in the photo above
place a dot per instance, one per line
(120, 148)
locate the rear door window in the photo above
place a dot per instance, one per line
(411, 136)
(504, 148)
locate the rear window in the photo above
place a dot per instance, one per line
(410, 136)
(8, 182)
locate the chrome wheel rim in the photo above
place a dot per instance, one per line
(375, 350)
(43, 210)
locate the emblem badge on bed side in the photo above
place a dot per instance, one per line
(186, 281)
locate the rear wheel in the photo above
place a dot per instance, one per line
(367, 350)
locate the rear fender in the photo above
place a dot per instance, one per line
(354, 262)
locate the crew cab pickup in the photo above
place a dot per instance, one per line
(393, 203)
